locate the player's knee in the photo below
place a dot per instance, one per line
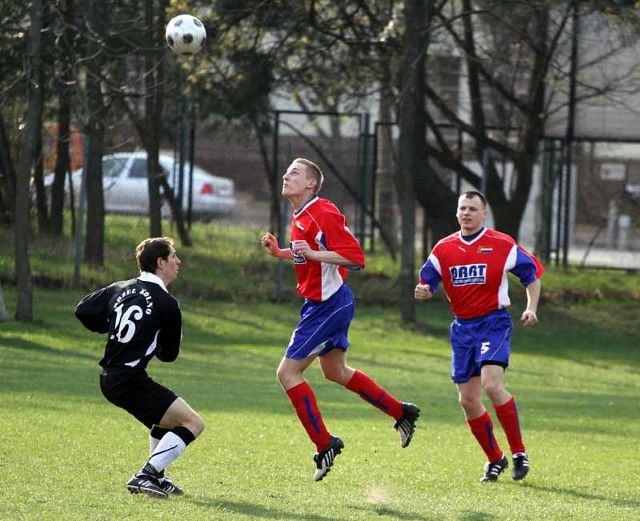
(468, 403)
(196, 424)
(493, 390)
(281, 375)
(288, 379)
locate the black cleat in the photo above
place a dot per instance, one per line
(494, 469)
(167, 484)
(170, 487)
(520, 466)
(324, 459)
(406, 425)
(147, 484)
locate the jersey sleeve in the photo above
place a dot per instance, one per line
(527, 267)
(339, 239)
(430, 273)
(170, 335)
(93, 311)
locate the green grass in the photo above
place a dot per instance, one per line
(67, 453)
(227, 262)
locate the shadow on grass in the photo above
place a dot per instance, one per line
(254, 511)
(258, 511)
(38, 347)
(623, 503)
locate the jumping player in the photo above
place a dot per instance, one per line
(472, 266)
(143, 320)
(322, 249)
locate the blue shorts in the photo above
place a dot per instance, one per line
(480, 341)
(323, 326)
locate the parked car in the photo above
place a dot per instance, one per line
(126, 191)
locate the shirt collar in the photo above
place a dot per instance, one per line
(473, 236)
(307, 204)
(147, 276)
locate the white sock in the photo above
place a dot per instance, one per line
(153, 443)
(167, 451)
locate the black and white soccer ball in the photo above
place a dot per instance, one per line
(185, 34)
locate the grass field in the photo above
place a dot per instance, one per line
(67, 453)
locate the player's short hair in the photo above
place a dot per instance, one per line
(150, 250)
(313, 169)
(473, 193)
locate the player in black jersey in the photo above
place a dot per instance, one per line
(143, 320)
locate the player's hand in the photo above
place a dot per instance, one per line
(302, 249)
(422, 292)
(270, 243)
(529, 318)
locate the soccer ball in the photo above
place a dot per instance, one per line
(185, 34)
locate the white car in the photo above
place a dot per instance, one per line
(126, 191)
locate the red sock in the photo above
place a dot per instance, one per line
(304, 402)
(508, 417)
(371, 392)
(482, 429)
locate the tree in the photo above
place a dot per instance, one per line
(7, 178)
(333, 46)
(14, 24)
(411, 117)
(94, 129)
(64, 83)
(143, 101)
(508, 54)
(30, 147)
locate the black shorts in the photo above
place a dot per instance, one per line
(135, 392)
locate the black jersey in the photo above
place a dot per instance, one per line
(141, 318)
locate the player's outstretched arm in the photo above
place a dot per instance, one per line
(270, 244)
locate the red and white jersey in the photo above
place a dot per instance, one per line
(474, 273)
(320, 223)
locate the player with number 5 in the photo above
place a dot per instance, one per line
(142, 320)
(472, 265)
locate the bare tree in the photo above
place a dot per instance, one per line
(411, 110)
(94, 126)
(30, 141)
(7, 178)
(65, 88)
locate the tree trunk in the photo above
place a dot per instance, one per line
(94, 131)
(31, 131)
(154, 101)
(37, 78)
(65, 90)
(412, 131)
(8, 177)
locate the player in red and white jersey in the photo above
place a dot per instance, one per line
(472, 265)
(320, 224)
(323, 249)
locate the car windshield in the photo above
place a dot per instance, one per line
(113, 166)
(138, 168)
